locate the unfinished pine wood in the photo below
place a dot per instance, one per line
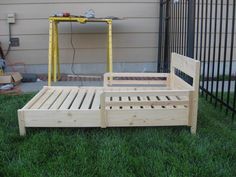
(47, 104)
(172, 105)
(60, 99)
(42, 99)
(69, 100)
(88, 99)
(135, 79)
(96, 102)
(79, 98)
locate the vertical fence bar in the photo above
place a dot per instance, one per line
(186, 27)
(167, 42)
(219, 52)
(209, 48)
(225, 52)
(205, 47)
(214, 51)
(160, 37)
(191, 28)
(175, 24)
(197, 35)
(231, 55)
(201, 36)
(181, 26)
(234, 101)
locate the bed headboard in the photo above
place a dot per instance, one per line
(184, 72)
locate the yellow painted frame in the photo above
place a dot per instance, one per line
(53, 49)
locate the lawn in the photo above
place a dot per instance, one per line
(162, 151)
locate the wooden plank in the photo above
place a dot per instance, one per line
(174, 98)
(148, 93)
(77, 101)
(138, 82)
(62, 118)
(154, 99)
(69, 100)
(136, 74)
(52, 99)
(88, 99)
(96, 101)
(134, 99)
(150, 117)
(21, 122)
(145, 102)
(184, 64)
(180, 84)
(42, 99)
(163, 98)
(115, 99)
(59, 101)
(35, 98)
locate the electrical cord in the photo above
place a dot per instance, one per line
(74, 51)
(73, 47)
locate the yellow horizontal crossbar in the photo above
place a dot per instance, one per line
(79, 19)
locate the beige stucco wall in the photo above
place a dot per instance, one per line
(135, 37)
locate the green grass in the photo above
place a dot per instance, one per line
(161, 151)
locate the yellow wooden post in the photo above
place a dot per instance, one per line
(109, 59)
(50, 52)
(55, 51)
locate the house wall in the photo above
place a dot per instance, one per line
(135, 38)
(134, 41)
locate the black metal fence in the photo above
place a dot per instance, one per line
(204, 30)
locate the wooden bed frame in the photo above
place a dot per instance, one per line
(157, 99)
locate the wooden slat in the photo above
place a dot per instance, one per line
(184, 64)
(138, 82)
(163, 98)
(148, 93)
(176, 99)
(88, 99)
(135, 99)
(154, 99)
(146, 103)
(136, 74)
(78, 99)
(66, 104)
(35, 98)
(115, 99)
(52, 99)
(96, 101)
(60, 99)
(42, 99)
(144, 99)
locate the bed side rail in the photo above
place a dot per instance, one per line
(184, 72)
(105, 101)
(129, 79)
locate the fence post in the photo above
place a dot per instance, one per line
(167, 37)
(160, 37)
(191, 28)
